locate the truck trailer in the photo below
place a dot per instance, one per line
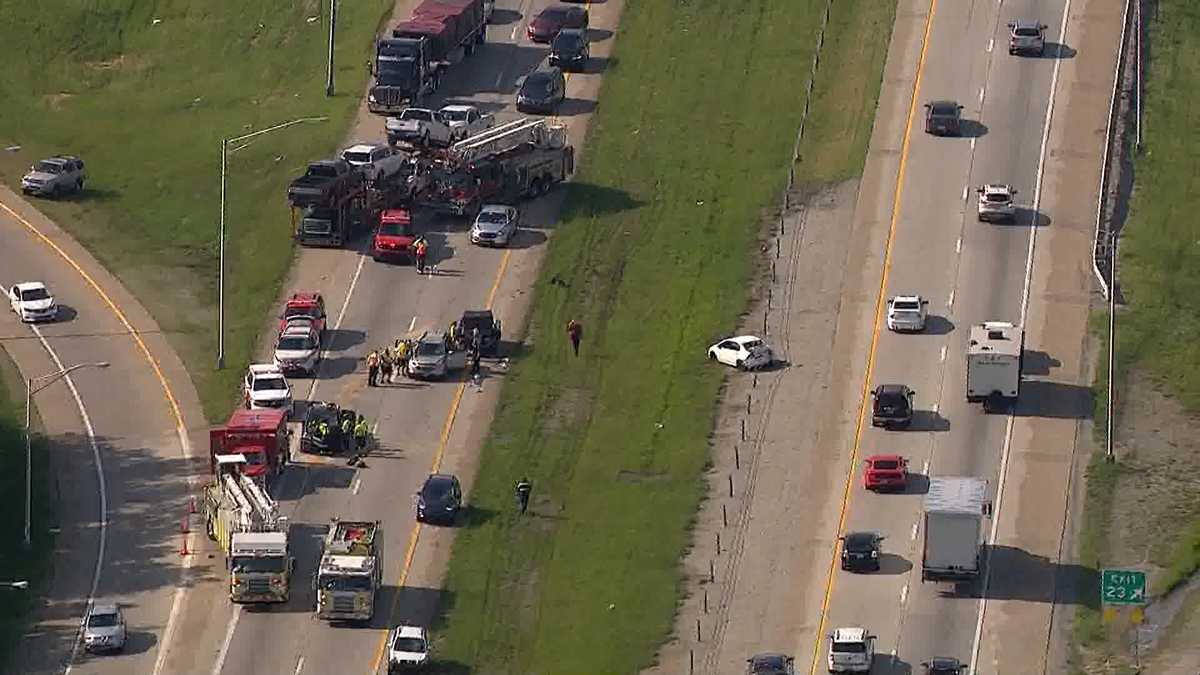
(954, 512)
(994, 362)
(350, 572)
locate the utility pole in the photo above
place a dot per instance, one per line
(329, 65)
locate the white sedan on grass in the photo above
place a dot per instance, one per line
(31, 301)
(745, 352)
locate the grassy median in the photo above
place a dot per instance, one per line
(689, 148)
(1158, 358)
(144, 90)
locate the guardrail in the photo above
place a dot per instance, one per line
(1103, 243)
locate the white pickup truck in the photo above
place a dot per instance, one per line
(466, 120)
(420, 126)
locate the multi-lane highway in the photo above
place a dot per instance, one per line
(419, 427)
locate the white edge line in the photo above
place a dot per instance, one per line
(925, 470)
(981, 90)
(964, 197)
(412, 324)
(1008, 428)
(299, 666)
(233, 621)
(354, 490)
(312, 388)
(914, 532)
(904, 594)
(943, 354)
(176, 600)
(950, 302)
(91, 434)
(973, 141)
(991, 43)
(958, 245)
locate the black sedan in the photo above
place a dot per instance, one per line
(570, 50)
(943, 118)
(861, 551)
(770, 663)
(439, 500)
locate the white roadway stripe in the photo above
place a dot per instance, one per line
(354, 490)
(904, 594)
(913, 536)
(972, 143)
(950, 302)
(925, 468)
(958, 245)
(412, 324)
(103, 489)
(943, 355)
(1008, 429)
(991, 43)
(964, 197)
(299, 666)
(233, 621)
(312, 388)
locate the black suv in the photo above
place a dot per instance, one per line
(439, 500)
(943, 118)
(542, 91)
(570, 50)
(860, 551)
(892, 406)
(943, 665)
(489, 331)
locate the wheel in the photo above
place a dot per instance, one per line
(547, 185)
(79, 185)
(741, 365)
(482, 37)
(712, 356)
(535, 187)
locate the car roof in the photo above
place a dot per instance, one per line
(30, 285)
(741, 339)
(993, 188)
(1026, 23)
(304, 297)
(943, 103)
(495, 208)
(458, 108)
(433, 336)
(885, 389)
(440, 478)
(860, 537)
(885, 458)
(106, 607)
(906, 298)
(410, 632)
(362, 147)
(850, 634)
(771, 658)
(477, 314)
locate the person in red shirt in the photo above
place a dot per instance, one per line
(575, 333)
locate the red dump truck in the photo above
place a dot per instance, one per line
(260, 435)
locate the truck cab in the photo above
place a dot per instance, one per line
(851, 650)
(350, 571)
(260, 567)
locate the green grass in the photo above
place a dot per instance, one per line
(17, 563)
(146, 105)
(1101, 477)
(689, 147)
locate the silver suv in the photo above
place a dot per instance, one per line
(1026, 37)
(54, 176)
(429, 358)
(104, 628)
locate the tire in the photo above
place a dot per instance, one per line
(535, 187)
(741, 365)
(482, 37)
(712, 356)
(79, 186)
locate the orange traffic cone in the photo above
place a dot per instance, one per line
(183, 549)
(183, 526)
(191, 504)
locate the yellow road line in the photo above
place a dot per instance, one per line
(411, 551)
(879, 303)
(116, 310)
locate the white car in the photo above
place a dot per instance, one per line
(906, 313)
(851, 650)
(266, 387)
(299, 347)
(31, 301)
(996, 203)
(408, 647)
(745, 352)
(377, 162)
(466, 120)
(496, 225)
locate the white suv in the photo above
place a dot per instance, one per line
(996, 203)
(851, 650)
(408, 647)
(266, 387)
(906, 313)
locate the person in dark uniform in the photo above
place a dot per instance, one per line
(524, 488)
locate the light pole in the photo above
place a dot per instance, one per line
(32, 386)
(221, 265)
(15, 585)
(329, 65)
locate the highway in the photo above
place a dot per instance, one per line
(118, 447)
(419, 427)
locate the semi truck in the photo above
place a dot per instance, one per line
(410, 64)
(954, 511)
(350, 572)
(994, 363)
(260, 436)
(245, 522)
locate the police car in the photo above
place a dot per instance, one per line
(266, 387)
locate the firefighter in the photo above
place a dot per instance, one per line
(524, 488)
(372, 368)
(476, 340)
(385, 365)
(420, 248)
(453, 332)
(347, 426)
(360, 433)
(575, 333)
(322, 431)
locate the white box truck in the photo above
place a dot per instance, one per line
(954, 512)
(994, 361)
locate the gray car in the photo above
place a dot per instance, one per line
(54, 176)
(104, 628)
(1026, 37)
(496, 225)
(429, 358)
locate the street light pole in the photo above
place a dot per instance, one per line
(221, 244)
(41, 382)
(329, 65)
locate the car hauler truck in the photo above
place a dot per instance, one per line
(261, 436)
(994, 363)
(954, 512)
(351, 570)
(245, 522)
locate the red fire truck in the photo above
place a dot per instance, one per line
(261, 436)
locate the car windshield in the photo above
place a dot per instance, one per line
(435, 490)
(409, 644)
(269, 384)
(885, 465)
(860, 542)
(296, 310)
(907, 305)
(1027, 32)
(768, 664)
(394, 73)
(537, 84)
(49, 167)
(891, 399)
(295, 344)
(567, 41)
(417, 114)
(345, 583)
(357, 157)
(996, 197)
(103, 620)
(944, 109)
(35, 294)
(430, 349)
(251, 564)
(454, 115)
(492, 217)
(849, 647)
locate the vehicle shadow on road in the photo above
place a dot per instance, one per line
(571, 107)
(66, 313)
(971, 128)
(527, 237)
(475, 516)
(90, 194)
(341, 339)
(886, 664)
(339, 366)
(504, 17)
(519, 60)
(928, 420)
(413, 605)
(327, 477)
(1016, 574)
(918, 484)
(1055, 400)
(599, 64)
(599, 34)
(890, 563)
(936, 324)
(1054, 50)
(1034, 362)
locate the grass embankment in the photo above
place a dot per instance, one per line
(16, 562)
(144, 91)
(1157, 352)
(654, 254)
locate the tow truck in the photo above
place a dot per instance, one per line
(245, 522)
(350, 571)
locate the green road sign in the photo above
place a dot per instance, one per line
(1123, 587)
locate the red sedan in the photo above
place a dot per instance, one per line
(885, 472)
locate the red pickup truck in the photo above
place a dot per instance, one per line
(305, 303)
(393, 237)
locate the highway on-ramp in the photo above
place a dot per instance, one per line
(418, 427)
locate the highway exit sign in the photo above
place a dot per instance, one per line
(1122, 587)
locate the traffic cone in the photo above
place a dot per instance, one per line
(183, 525)
(183, 548)
(191, 505)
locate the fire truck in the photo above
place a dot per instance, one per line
(243, 519)
(260, 436)
(351, 571)
(524, 158)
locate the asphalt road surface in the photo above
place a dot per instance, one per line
(116, 439)
(418, 427)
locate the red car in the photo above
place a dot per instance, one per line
(885, 472)
(545, 25)
(393, 237)
(306, 304)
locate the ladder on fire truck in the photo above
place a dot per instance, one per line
(252, 507)
(507, 136)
